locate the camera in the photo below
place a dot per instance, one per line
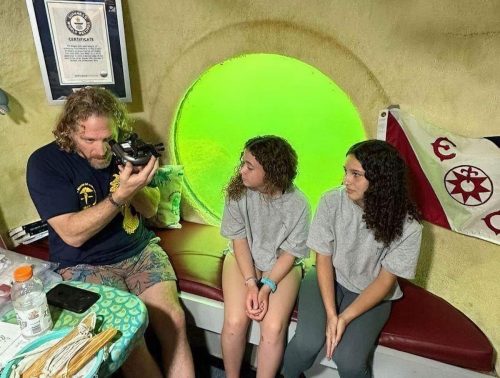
(134, 150)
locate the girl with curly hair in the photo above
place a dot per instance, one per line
(266, 219)
(365, 234)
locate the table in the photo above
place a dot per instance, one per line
(115, 308)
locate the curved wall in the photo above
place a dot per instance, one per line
(438, 60)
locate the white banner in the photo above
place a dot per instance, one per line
(456, 180)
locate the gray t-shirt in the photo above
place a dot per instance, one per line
(270, 225)
(338, 229)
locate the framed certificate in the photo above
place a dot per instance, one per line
(80, 43)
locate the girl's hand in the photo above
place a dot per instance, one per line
(334, 332)
(341, 326)
(252, 302)
(263, 299)
(331, 335)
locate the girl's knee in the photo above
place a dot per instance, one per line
(351, 365)
(310, 337)
(235, 324)
(273, 332)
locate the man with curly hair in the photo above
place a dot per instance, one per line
(95, 212)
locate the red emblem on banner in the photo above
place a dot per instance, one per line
(468, 185)
(492, 225)
(438, 145)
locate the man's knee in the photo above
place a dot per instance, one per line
(177, 315)
(172, 313)
(164, 307)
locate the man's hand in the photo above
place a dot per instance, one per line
(133, 179)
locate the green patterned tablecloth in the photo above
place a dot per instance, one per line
(115, 308)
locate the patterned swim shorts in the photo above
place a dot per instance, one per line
(134, 274)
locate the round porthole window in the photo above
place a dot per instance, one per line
(262, 94)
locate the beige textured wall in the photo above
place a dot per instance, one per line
(438, 60)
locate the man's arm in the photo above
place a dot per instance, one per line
(78, 227)
(147, 199)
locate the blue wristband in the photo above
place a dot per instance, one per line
(269, 282)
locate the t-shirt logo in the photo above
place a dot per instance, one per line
(87, 195)
(130, 217)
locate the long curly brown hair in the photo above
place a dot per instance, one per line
(386, 201)
(278, 159)
(87, 102)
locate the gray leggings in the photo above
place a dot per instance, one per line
(354, 351)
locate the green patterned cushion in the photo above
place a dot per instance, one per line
(168, 179)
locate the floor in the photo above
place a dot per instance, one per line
(211, 367)
(206, 366)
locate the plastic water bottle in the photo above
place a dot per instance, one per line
(30, 302)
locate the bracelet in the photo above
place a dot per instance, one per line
(113, 202)
(269, 282)
(250, 279)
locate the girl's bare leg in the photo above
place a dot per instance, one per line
(274, 326)
(234, 330)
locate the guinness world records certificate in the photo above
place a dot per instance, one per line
(80, 43)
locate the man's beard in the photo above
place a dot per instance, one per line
(97, 163)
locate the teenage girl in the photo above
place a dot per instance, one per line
(266, 218)
(365, 234)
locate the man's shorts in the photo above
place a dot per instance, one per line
(134, 274)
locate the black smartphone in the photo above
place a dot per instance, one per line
(71, 298)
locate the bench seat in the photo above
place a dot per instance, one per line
(420, 323)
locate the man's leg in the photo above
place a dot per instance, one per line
(151, 277)
(139, 363)
(169, 324)
(95, 274)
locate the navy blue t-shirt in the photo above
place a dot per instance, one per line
(59, 183)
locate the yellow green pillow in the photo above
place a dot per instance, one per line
(168, 179)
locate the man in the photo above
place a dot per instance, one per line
(95, 214)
